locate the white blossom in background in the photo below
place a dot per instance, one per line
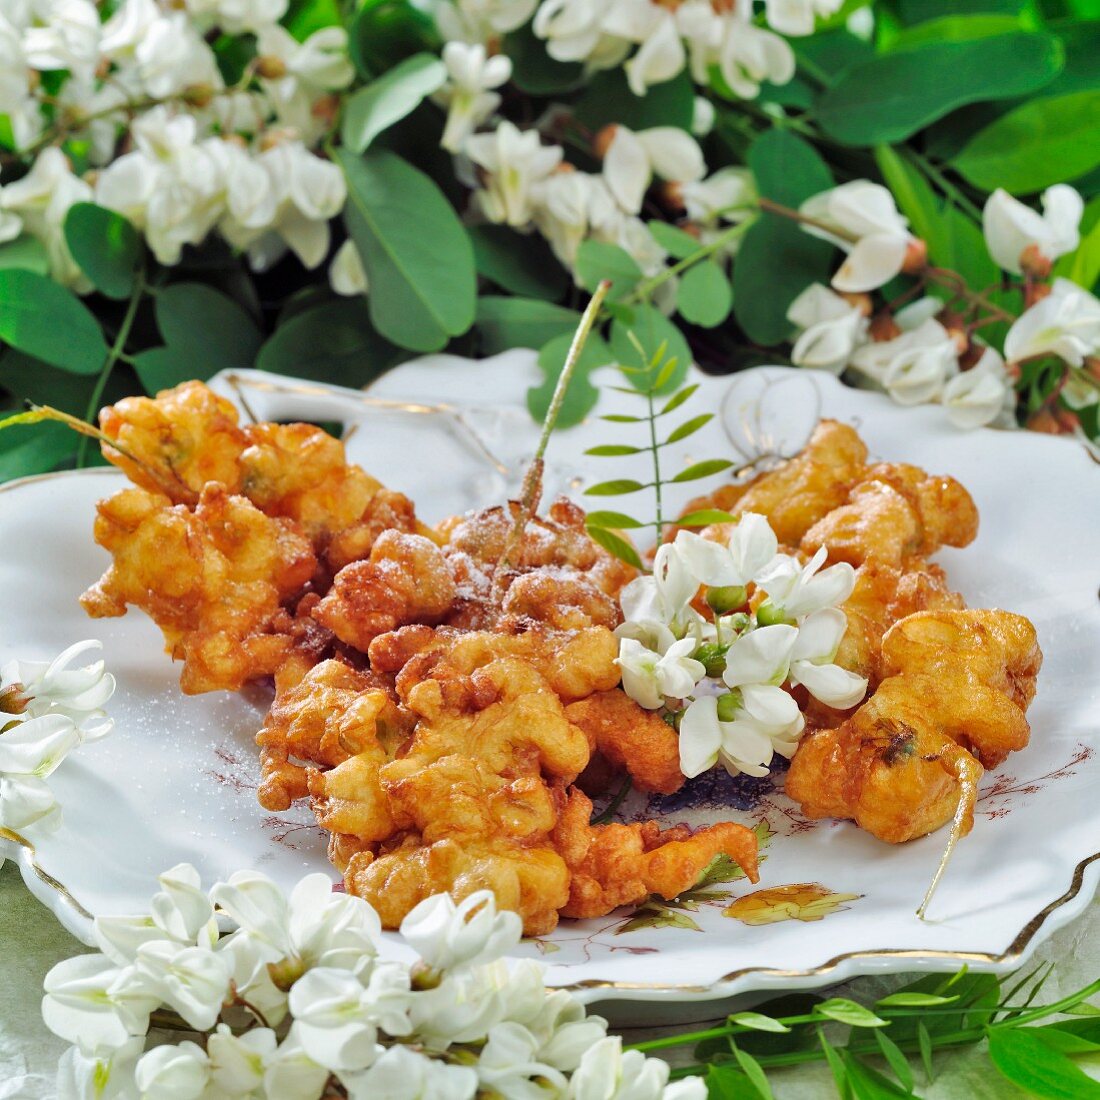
(1014, 233)
(574, 30)
(797, 17)
(458, 1021)
(1065, 323)
(468, 95)
(238, 16)
(633, 158)
(830, 329)
(981, 395)
(346, 274)
(480, 21)
(728, 195)
(862, 219)
(514, 162)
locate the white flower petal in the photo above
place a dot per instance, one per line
(761, 656)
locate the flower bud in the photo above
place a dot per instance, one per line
(712, 658)
(916, 257)
(860, 301)
(198, 95)
(767, 614)
(727, 597)
(13, 700)
(325, 109)
(1092, 367)
(728, 705)
(1034, 263)
(1045, 421)
(271, 68)
(670, 195)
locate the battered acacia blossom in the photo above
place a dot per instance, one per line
(458, 1022)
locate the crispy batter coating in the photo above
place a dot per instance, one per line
(797, 494)
(613, 865)
(958, 684)
(215, 580)
(405, 580)
(631, 739)
(893, 513)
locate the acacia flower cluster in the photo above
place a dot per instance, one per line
(169, 143)
(927, 351)
(296, 1003)
(47, 709)
(724, 681)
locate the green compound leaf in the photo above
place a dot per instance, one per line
(581, 396)
(105, 246)
(615, 544)
(702, 469)
(617, 487)
(597, 260)
(705, 296)
(505, 323)
(389, 99)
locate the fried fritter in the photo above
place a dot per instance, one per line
(613, 865)
(631, 739)
(216, 580)
(405, 580)
(895, 512)
(958, 684)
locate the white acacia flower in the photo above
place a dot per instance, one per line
(663, 596)
(180, 913)
(978, 396)
(914, 367)
(661, 54)
(338, 1018)
(108, 1075)
(728, 195)
(173, 1072)
(346, 274)
(831, 329)
(1065, 323)
(866, 224)
(76, 693)
(403, 1074)
(238, 1063)
(319, 64)
(35, 747)
(796, 590)
(449, 936)
(464, 1006)
(193, 980)
(313, 927)
(608, 1073)
(25, 801)
(238, 16)
(634, 158)
(575, 30)
(96, 1005)
(508, 1065)
(171, 56)
(1011, 228)
(565, 206)
(749, 551)
(796, 17)
(65, 35)
(127, 26)
(819, 636)
(514, 161)
(16, 101)
(760, 656)
(468, 94)
(291, 1074)
(648, 677)
(481, 20)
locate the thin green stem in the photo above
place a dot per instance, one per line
(1043, 1011)
(113, 355)
(934, 175)
(646, 287)
(655, 450)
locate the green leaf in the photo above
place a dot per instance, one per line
(306, 17)
(675, 242)
(968, 253)
(705, 296)
(689, 427)
(506, 323)
(523, 265)
(1027, 1061)
(534, 70)
(1038, 144)
(622, 418)
(845, 1011)
(1065, 1041)
(597, 260)
(956, 28)
(389, 99)
(618, 487)
(618, 520)
(917, 11)
(831, 53)
(333, 342)
(198, 321)
(385, 32)
(45, 320)
(651, 329)
(614, 544)
(608, 99)
(897, 1061)
(612, 450)
(836, 1066)
(702, 469)
(777, 260)
(913, 1000)
(678, 398)
(418, 259)
(725, 1083)
(704, 517)
(105, 246)
(162, 368)
(754, 1072)
(27, 253)
(757, 1021)
(888, 98)
(867, 1083)
(581, 396)
(924, 1042)
(916, 200)
(35, 450)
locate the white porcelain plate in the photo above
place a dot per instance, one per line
(176, 779)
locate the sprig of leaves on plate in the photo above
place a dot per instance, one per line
(1035, 1047)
